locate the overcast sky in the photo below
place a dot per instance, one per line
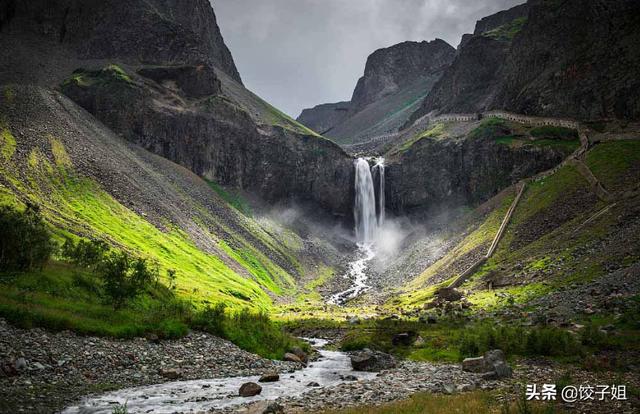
(300, 53)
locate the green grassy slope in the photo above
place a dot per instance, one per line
(543, 248)
(89, 183)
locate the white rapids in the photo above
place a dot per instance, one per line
(211, 394)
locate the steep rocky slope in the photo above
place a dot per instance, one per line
(559, 61)
(92, 183)
(394, 81)
(160, 75)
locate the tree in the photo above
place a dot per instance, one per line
(124, 278)
(25, 243)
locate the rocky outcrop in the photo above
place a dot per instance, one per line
(395, 81)
(372, 361)
(501, 18)
(150, 32)
(322, 118)
(215, 137)
(434, 173)
(389, 69)
(574, 59)
(492, 365)
(158, 73)
(470, 82)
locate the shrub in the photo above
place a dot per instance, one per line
(25, 243)
(124, 278)
(85, 253)
(211, 319)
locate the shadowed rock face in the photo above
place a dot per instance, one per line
(470, 82)
(158, 73)
(452, 172)
(576, 59)
(322, 118)
(218, 139)
(573, 59)
(387, 70)
(153, 31)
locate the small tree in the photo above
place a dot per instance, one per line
(124, 278)
(171, 275)
(85, 253)
(25, 243)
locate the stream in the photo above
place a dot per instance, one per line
(207, 394)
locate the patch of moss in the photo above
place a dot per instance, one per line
(507, 31)
(437, 130)
(8, 143)
(611, 161)
(232, 197)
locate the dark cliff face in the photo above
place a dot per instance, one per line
(322, 118)
(470, 82)
(151, 32)
(216, 137)
(436, 174)
(501, 18)
(158, 73)
(387, 70)
(577, 58)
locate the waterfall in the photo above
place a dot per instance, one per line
(381, 213)
(365, 208)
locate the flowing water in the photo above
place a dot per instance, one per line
(364, 210)
(367, 227)
(208, 394)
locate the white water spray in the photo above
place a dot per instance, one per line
(365, 207)
(381, 200)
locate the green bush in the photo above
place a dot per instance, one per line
(85, 253)
(124, 278)
(25, 243)
(252, 331)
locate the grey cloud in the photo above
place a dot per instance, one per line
(300, 53)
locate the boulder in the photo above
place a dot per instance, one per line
(20, 364)
(249, 389)
(404, 339)
(269, 377)
(372, 361)
(313, 384)
(170, 373)
(448, 294)
(474, 365)
(296, 350)
(493, 365)
(292, 358)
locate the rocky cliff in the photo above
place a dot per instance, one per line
(444, 170)
(154, 31)
(323, 117)
(158, 73)
(572, 59)
(576, 59)
(395, 80)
